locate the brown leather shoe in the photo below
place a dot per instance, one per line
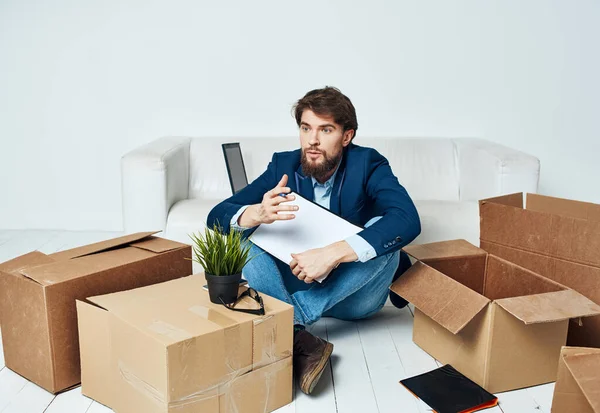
(310, 358)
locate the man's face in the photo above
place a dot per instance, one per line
(322, 141)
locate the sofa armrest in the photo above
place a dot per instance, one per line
(153, 178)
(487, 169)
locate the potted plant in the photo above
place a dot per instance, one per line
(222, 256)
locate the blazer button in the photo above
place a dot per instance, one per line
(386, 245)
(398, 239)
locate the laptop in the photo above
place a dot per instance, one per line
(235, 166)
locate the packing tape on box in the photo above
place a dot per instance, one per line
(267, 338)
(221, 388)
(261, 320)
(211, 315)
(169, 330)
(264, 353)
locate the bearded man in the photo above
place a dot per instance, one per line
(351, 181)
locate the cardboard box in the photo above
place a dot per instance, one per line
(167, 348)
(578, 384)
(38, 293)
(499, 324)
(557, 238)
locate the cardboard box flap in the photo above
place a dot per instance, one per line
(549, 307)
(101, 246)
(585, 369)
(56, 272)
(63, 271)
(32, 259)
(158, 245)
(565, 207)
(515, 200)
(438, 296)
(444, 249)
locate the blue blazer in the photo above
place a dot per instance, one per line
(364, 187)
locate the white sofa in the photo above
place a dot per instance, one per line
(171, 184)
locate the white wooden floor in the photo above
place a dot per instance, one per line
(369, 358)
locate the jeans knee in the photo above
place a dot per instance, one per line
(392, 261)
(376, 309)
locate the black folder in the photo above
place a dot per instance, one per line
(447, 391)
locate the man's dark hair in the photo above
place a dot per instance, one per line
(328, 101)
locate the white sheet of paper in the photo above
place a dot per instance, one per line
(313, 227)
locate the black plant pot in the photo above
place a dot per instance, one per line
(224, 287)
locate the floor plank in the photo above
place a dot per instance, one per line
(351, 377)
(18, 395)
(96, 407)
(10, 385)
(385, 366)
(24, 242)
(414, 359)
(322, 400)
(71, 401)
(31, 399)
(542, 395)
(6, 235)
(517, 401)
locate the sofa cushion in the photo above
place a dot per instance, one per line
(447, 220)
(440, 220)
(187, 216)
(427, 168)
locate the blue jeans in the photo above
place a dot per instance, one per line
(352, 291)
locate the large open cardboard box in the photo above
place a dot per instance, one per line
(577, 387)
(498, 323)
(38, 293)
(167, 348)
(557, 238)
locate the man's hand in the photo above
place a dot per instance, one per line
(313, 264)
(267, 211)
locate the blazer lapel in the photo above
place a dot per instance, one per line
(304, 185)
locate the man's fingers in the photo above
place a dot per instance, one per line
(275, 192)
(303, 277)
(278, 200)
(283, 180)
(281, 187)
(286, 208)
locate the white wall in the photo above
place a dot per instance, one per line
(83, 82)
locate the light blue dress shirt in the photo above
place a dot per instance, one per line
(322, 196)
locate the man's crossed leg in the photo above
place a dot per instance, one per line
(352, 291)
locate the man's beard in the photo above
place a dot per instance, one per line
(320, 171)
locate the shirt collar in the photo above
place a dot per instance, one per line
(330, 181)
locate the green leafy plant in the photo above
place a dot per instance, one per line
(220, 253)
